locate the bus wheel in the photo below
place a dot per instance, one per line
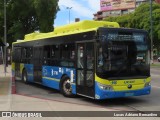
(66, 87)
(24, 76)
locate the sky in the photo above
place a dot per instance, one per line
(83, 9)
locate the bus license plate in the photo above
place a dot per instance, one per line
(129, 94)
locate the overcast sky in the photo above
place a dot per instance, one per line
(83, 9)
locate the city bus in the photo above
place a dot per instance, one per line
(94, 59)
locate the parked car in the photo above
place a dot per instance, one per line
(158, 59)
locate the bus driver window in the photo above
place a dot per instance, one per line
(100, 57)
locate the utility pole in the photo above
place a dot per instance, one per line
(5, 38)
(151, 27)
(69, 8)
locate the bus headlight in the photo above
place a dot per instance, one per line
(147, 84)
(105, 87)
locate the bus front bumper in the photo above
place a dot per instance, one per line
(106, 94)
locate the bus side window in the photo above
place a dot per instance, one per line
(47, 51)
(55, 52)
(46, 55)
(68, 55)
(13, 54)
(24, 55)
(17, 55)
(29, 54)
(55, 55)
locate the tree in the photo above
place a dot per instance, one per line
(1, 20)
(21, 18)
(45, 10)
(141, 20)
(27, 16)
(122, 20)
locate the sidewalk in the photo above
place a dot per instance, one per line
(5, 89)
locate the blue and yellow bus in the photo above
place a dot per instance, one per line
(95, 59)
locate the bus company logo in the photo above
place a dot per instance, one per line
(54, 72)
(61, 70)
(129, 82)
(129, 86)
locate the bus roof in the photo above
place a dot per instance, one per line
(73, 28)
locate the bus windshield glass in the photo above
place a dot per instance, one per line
(123, 55)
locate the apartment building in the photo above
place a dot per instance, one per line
(116, 8)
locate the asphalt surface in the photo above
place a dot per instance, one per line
(140, 103)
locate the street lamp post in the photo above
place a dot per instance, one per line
(151, 27)
(69, 8)
(5, 37)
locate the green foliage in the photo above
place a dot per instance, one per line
(1, 19)
(44, 10)
(26, 16)
(122, 20)
(140, 19)
(21, 18)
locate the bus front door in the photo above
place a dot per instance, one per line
(37, 63)
(85, 69)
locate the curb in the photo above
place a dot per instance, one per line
(13, 90)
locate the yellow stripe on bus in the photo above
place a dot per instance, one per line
(54, 79)
(13, 66)
(21, 67)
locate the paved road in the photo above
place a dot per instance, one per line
(141, 103)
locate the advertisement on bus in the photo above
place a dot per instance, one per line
(116, 4)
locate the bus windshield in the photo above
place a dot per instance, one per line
(123, 55)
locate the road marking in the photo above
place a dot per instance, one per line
(155, 75)
(155, 86)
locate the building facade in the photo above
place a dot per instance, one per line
(116, 8)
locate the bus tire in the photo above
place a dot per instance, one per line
(24, 76)
(66, 87)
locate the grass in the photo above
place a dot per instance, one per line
(155, 65)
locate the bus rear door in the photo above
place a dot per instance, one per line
(37, 63)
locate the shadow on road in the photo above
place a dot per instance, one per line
(36, 90)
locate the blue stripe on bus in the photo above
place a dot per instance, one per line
(13, 73)
(74, 88)
(105, 94)
(29, 69)
(50, 83)
(51, 76)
